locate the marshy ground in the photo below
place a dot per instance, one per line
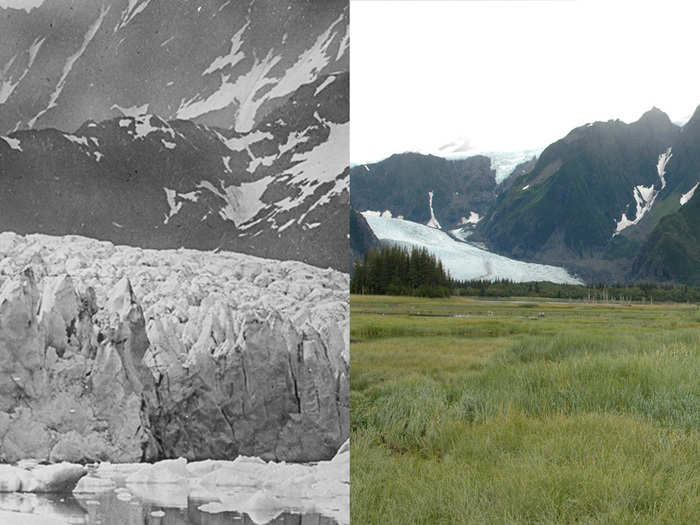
(468, 411)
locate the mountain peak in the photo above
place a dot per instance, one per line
(655, 115)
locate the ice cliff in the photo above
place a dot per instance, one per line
(126, 354)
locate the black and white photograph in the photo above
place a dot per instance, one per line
(174, 262)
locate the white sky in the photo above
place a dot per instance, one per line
(27, 5)
(514, 74)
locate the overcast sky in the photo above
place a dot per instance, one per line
(500, 76)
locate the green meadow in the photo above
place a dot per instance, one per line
(477, 411)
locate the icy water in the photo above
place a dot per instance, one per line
(115, 508)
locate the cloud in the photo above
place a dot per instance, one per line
(27, 5)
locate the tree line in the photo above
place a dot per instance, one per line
(396, 270)
(601, 292)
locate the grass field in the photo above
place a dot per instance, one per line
(467, 411)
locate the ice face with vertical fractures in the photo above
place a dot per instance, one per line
(645, 196)
(463, 261)
(126, 354)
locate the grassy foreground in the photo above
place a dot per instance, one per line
(467, 411)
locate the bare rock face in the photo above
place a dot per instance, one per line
(124, 354)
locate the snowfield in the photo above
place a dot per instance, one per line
(464, 261)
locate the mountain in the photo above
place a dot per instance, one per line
(279, 190)
(426, 188)
(587, 197)
(362, 237)
(672, 250)
(217, 62)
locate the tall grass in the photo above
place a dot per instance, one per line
(597, 422)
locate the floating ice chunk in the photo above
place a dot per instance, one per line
(92, 484)
(61, 477)
(21, 518)
(165, 471)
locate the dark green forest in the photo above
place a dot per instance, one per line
(395, 270)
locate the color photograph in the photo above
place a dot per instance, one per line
(525, 331)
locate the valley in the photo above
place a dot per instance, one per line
(480, 411)
(610, 202)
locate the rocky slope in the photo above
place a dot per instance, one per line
(279, 190)
(589, 197)
(219, 62)
(362, 238)
(126, 354)
(672, 251)
(426, 188)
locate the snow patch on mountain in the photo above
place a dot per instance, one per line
(432, 222)
(168, 144)
(7, 87)
(661, 166)
(325, 83)
(13, 143)
(245, 141)
(244, 201)
(645, 196)
(132, 11)
(323, 164)
(131, 111)
(249, 91)
(72, 59)
(171, 197)
(311, 61)
(464, 261)
(143, 126)
(259, 161)
(233, 57)
(240, 91)
(473, 218)
(687, 196)
(82, 141)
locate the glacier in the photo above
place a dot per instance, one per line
(462, 260)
